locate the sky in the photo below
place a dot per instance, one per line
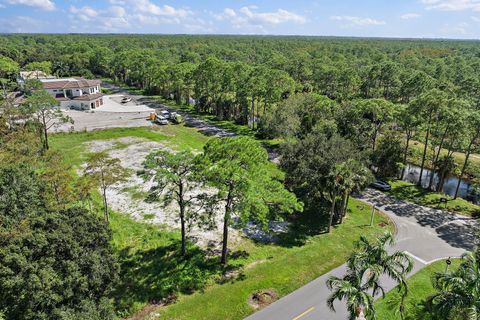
(456, 19)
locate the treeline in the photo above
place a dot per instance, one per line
(241, 77)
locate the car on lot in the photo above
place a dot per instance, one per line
(163, 113)
(161, 120)
(381, 185)
(176, 118)
(126, 99)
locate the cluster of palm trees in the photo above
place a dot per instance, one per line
(458, 291)
(359, 286)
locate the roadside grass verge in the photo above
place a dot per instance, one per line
(410, 192)
(299, 258)
(420, 288)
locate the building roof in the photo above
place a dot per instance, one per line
(69, 83)
(88, 97)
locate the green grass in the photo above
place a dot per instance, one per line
(178, 137)
(420, 288)
(408, 191)
(152, 269)
(299, 258)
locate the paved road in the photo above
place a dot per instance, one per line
(426, 234)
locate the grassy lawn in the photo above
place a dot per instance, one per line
(152, 270)
(178, 137)
(420, 288)
(299, 258)
(408, 191)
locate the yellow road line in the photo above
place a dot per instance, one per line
(304, 314)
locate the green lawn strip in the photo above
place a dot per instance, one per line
(281, 268)
(408, 191)
(420, 288)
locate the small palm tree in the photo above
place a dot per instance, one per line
(355, 291)
(458, 292)
(365, 266)
(374, 258)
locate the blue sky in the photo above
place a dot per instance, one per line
(376, 18)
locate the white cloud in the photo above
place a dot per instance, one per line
(408, 16)
(358, 21)
(251, 21)
(85, 13)
(41, 4)
(148, 7)
(452, 5)
(20, 24)
(109, 20)
(277, 17)
(476, 19)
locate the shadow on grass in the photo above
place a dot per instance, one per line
(311, 222)
(156, 275)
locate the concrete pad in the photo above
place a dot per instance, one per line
(112, 103)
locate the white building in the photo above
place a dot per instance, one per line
(75, 93)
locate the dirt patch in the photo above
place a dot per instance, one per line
(128, 197)
(262, 298)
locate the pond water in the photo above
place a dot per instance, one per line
(412, 173)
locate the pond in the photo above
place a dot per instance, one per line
(412, 173)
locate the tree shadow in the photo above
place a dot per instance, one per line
(312, 221)
(158, 275)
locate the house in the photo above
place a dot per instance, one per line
(75, 93)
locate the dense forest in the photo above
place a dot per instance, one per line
(343, 112)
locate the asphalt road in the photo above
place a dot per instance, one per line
(424, 233)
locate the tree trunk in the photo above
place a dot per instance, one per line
(405, 155)
(226, 220)
(332, 212)
(430, 183)
(45, 133)
(181, 204)
(105, 204)
(424, 153)
(465, 163)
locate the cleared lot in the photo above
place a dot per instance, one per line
(112, 114)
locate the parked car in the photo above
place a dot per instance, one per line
(161, 120)
(176, 118)
(164, 113)
(381, 185)
(126, 99)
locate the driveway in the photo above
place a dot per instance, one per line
(424, 233)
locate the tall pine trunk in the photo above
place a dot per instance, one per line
(405, 155)
(424, 156)
(226, 221)
(332, 211)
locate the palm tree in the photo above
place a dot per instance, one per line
(375, 259)
(355, 291)
(365, 266)
(458, 292)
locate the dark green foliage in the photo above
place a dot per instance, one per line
(20, 195)
(387, 158)
(55, 263)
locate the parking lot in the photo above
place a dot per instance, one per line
(112, 114)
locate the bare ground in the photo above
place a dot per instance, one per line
(129, 197)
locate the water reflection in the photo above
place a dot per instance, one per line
(412, 173)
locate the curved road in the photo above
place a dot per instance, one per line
(425, 234)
